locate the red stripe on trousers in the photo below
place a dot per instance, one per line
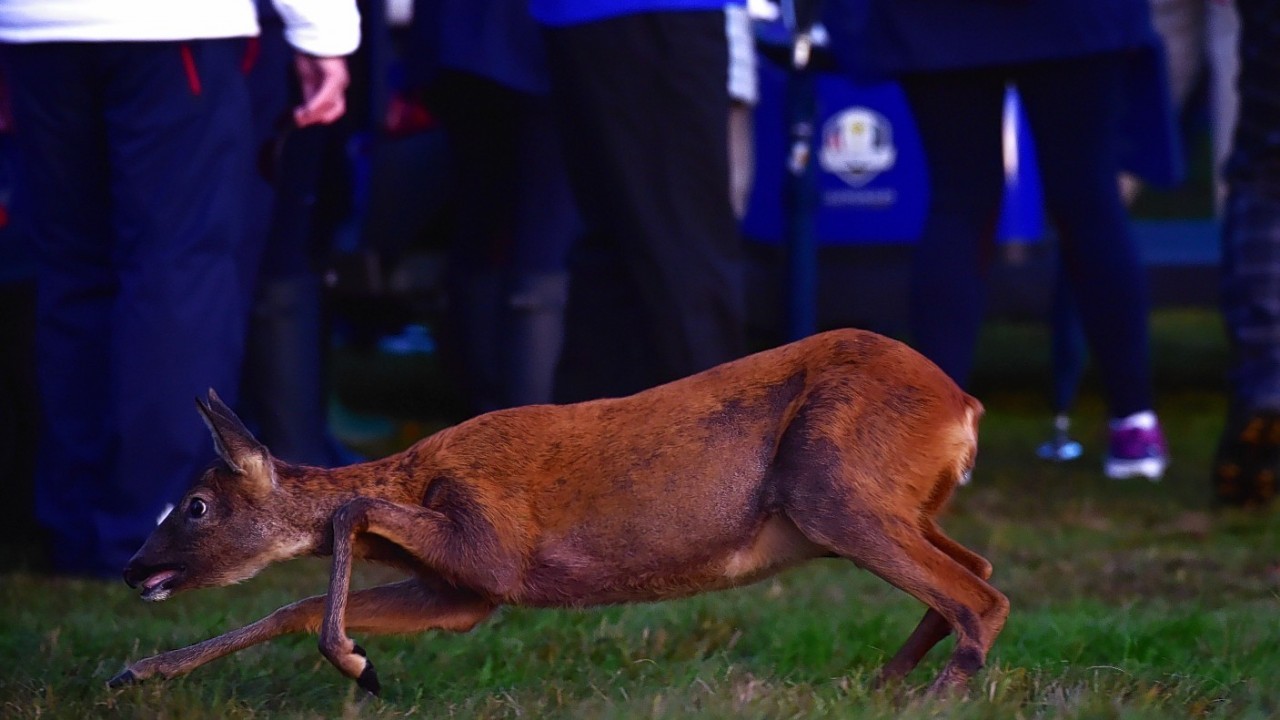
(189, 65)
(252, 49)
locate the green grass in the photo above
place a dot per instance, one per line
(1130, 600)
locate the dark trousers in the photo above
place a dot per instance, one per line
(1251, 229)
(288, 160)
(1251, 290)
(514, 206)
(515, 221)
(135, 159)
(283, 394)
(1073, 109)
(656, 289)
(18, 409)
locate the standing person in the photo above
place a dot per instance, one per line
(283, 390)
(1248, 454)
(1201, 36)
(515, 215)
(133, 122)
(1197, 35)
(1067, 59)
(640, 88)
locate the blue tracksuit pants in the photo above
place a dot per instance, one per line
(137, 160)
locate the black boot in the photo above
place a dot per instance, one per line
(284, 387)
(1247, 460)
(473, 337)
(535, 332)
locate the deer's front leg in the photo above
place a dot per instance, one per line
(342, 651)
(403, 607)
(301, 616)
(431, 536)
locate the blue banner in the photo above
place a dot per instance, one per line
(872, 174)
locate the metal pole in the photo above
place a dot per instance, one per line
(801, 186)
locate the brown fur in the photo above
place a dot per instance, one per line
(843, 444)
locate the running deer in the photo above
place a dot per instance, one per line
(845, 444)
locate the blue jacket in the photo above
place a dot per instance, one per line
(576, 12)
(494, 39)
(875, 39)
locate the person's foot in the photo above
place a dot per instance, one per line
(1060, 448)
(1136, 448)
(1245, 464)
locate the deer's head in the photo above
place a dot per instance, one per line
(231, 524)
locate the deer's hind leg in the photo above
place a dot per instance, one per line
(933, 627)
(903, 557)
(882, 534)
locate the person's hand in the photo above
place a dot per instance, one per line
(324, 83)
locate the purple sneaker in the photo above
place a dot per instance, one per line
(1137, 449)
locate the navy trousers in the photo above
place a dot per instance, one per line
(136, 157)
(1251, 230)
(657, 289)
(283, 395)
(1073, 108)
(1251, 291)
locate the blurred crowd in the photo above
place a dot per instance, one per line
(194, 194)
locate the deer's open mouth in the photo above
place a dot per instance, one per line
(160, 583)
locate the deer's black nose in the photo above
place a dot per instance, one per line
(133, 574)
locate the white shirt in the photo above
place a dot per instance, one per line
(319, 27)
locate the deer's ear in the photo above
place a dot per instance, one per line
(237, 447)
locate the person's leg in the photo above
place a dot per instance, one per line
(1222, 48)
(62, 139)
(958, 117)
(1247, 461)
(546, 225)
(643, 102)
(482, 120)
(1073, 108)
(699, 250)
(1067, 362)
(283, 389)
(179, 155)
(1248, 453)
(284, 382)
(607, 337)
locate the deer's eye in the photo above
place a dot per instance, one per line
(197, 508)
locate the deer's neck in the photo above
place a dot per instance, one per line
(317, 493)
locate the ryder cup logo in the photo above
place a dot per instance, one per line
(857, 145)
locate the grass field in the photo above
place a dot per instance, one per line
(1130, 600)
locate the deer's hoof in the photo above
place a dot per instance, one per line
(125, 678)
(368, 679)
